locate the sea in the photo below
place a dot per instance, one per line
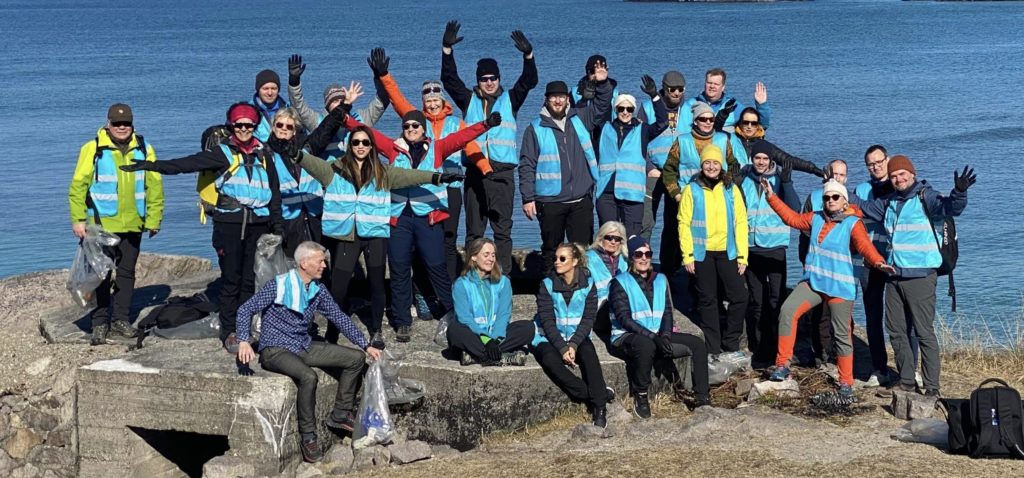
(937, 81)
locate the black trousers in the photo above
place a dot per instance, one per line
(306, 227)
(345, 258)
(716, 268)
(561, 220)
(236, 256)
(629, 213)
(451, 233)
(639, 353)
(589, 388)
(766, 276)
(125, 256)
(518, 335)
(344, 363)
(873, 289)
(670, 255)
(489, 200)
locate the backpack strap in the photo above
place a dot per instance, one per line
(994, 380)
(951, 291)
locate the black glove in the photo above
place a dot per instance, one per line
(447, 178)
(786, 172)
(818, 172)
(828, 175)
(522, 44)
(139, 166)
(649, 86)
(295, 69)
(493, 120)
(451, 34)
(665, 344)
(493, 350)
(586, 88)
(341, 111)
(292, 150)
(964, 180)
(723, 113)
(729, 106)
(378, 62)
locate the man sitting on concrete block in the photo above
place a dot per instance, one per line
(287, 305)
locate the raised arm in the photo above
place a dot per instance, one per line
(454, 142)
(375, 109)
(652, 131)
(307, 116)
(398, 100)
(320, 169)
(528, 78)
(595, 112)
(385, 145)
(449, 70)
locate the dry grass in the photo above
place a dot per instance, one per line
(976, 348)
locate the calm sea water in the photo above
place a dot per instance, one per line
(939, 82)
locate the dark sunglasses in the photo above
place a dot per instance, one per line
(488, 78)
(121, 124)
(360, 142)
(834, 197)
(675, 89)
(629, 109)
(749, 123)
(244, 126)
(433, 89)
(411, 125)
(611, 238)
(289, 127)
(705, 119)
(643, 254)
(563, 258)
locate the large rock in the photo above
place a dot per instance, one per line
(371, 457)
(788, 388)
(6, 463)
(22, 443)
(27, 471)
(225, 466)
(33, 418)
(308, 470)
(911, 405)
(409, 451)
(340, 456)
(53, 457)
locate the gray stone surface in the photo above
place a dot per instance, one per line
(409, 451)
(308, 470)
(339, 456)
(586, 432)
(376, 456)
(910, 406)
(743, 386)
(228, 467)
(787, 388)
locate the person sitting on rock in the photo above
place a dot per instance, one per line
(483, 309)
(643, 329)
(287, 305)
(605, 259)
(566, 308)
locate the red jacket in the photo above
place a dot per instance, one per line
(860, 242)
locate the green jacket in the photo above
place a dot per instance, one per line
(127, 218)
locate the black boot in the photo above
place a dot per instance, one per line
(600, 416)
(99, 334)
(124, 329)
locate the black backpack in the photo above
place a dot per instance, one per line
(989, 425)
(949, 246)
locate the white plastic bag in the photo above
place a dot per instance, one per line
(373, 421)
(719, 371)
(441, 334)
(270, 259)
(90, 265)
(932, 431)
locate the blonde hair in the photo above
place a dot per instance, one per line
(288, 113)
(611, 227)
(473, 248)
(578, 252)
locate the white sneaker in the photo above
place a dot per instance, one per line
(877, 379)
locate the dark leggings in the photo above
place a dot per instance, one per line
(589, 389)
(639, 353)
(344, 258)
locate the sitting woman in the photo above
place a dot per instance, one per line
(483, 309)
(606, 258)
(642, 328)
(566, 307)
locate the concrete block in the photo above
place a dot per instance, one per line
(228, 467)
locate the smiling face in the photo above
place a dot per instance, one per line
(243, 129)
(834, 202)
(624, 112)
(268, 93)
(284, 128)
(565, 260)
(433, 105)
(748, 124)
(489, 84)
(612, 243)
(674, 95)
(557, 105)
(359, 143)
(711, 169)
(877, 164)
(705, 123)
(120, 131)
(714, 85)
(642, 260)
(485, 259)
(412, 131)
(901, 179)
(314, 265)
(761, 163)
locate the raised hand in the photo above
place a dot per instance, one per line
(760, 93)
(451, 34)
(522, 44)
(378, 61)
(786, 173)
(828, 175)
(965, 179)
(767, 188)
(295, 69)
(649, 86)
(600, 72)
(493, 120)
(354, 91)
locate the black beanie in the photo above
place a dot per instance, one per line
(487, 66)
(760, 147)
(267, 76)
(593, 61)
(415, 115)
(556, 88)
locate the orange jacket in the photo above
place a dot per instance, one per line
(859, 240)
(403, 106)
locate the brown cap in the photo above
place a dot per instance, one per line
(119, 112)
(899, 162)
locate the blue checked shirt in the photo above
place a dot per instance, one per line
(285, 328)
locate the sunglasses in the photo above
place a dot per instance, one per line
(749, 123)
(834, 197)
(244, 126)
(121, 124)
(289, 127)
(411, 125)
(433, 89)
(628, 109)
(675, 89)
(642, 254)
(488, 78)
(360, 142)
(611, 238)
(563, 258)
(705, 119)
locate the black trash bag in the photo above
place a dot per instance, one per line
(167, 320)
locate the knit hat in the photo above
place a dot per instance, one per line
(119, 112)
(487, 66)
(673, 78)
(833, 186)
(239, 111)
(333, 92)
(636, 242)
(899, 162)
(267, 76)
(700, 108)
(556, 88)
(711, 153)
(432, 85)
(593, 61)
(415, 115)
(625, 98)
(760, 147)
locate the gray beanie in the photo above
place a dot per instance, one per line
(333, 92)
(431, 85)
(700, 108)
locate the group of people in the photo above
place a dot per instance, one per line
(337, 189)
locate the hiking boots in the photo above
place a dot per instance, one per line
(779, 375)
(517, 358)
(896, 387)
(346, 423)
(701, 401)
(641, 405)
(99, 335)
(467, 359)
(124, 329)
(311, 452)
(403, 334)
(600, 416)
(377, 341)
(932, 394)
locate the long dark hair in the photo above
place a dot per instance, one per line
(372, 168)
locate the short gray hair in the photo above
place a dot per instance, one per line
(306, 251)
(610, 227)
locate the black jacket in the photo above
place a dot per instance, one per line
(620, 306)
(781, 157)
(461, 94)
(546, 309)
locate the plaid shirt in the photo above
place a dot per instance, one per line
(283, 327)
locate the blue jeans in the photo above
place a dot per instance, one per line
(415, 234)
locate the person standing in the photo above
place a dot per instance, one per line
(267, 100)
(125, 204)
(558, 167)
(750, 131)
(714, 96)
(489, 198)
(673, 88)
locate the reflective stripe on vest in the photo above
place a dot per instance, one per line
(306, 193)
(913, 236)
(483, 320)
(644, 313)
(292, 293)
(689, 157)
(368, 211)
(766, 227)
(829, 265)
(698, 224)
(549, 163)
(499, 142)
(627, 164)
(600, 274)
(424, 198)
(453, 163)
(567, 316)
(738, 150)
(247, 184)
(103, 190)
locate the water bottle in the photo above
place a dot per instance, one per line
(995, 418)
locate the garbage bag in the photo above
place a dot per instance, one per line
(270, 259)
(205, 328)
(720, 370)
(374, 425)
(441, 334)
(740, 360)
(90, 265)
(400, 391)
(932, 431)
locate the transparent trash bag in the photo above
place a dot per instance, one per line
(441, 334)
(739, 360)
(205, 328)
(720, 370)
(374, 425)
(932, 431)
(400, 391)
(90, 265)
(270, 259)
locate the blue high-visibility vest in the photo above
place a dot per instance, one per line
(247, 184)
(296, 195)
(816, 200)
(292, 294)
(601, 275)
(368, 211)
(738, 150)
(263, 129)
(549, 164)
(423, 198)
(876, 231)
(829, 265)
(627, 164)
(567, 315)
(658, 148)
(103, 190)
(452, 163)
(499, 142)
(484, 314)
(913, 236)
(698, 223)
(644, 313)
(766, 227)
(689, 158)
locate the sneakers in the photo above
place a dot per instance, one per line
(99, 335)
(641, 405)
(877, 379)
(600, 416)
(611, 395)
(403, 334)
(311, 452)
(124, 329)
(467, 359)
(346, 423)
(846, 393)
(231, 344)
(517, 358)
(779, 375)
(932, 394)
